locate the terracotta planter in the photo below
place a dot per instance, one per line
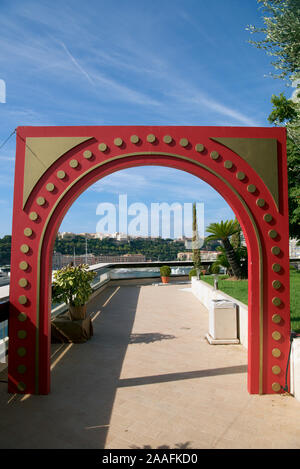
(77, 312)
(165, 279)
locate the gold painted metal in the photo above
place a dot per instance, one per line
(33, 216)
(40, 201)
(21, 386)
(102, 146)
(276, 301)
(276, 387)
(276, 284)
(261, 155)
(240, 175)
(260, 203)
(268, 217)
(276, 335)
(151, 138)
(73, 163)
(134, 139)
(276, 370)
(22, 317)
(251, 188)
(276, 267)
(22, 334)
(22, 299)
(24, 248)
(23, 282)
(276, 352)
(276, 250)
(197, 164)
(118, 142)
(50, 187)
(40, 154)
(61, 174)
(214, 155)
(276, 318)
(87, 154)
(273, 234)
(27, 232)
(184, 142)
(21, 351)
(21, 369)
(23, 265)
(228, 164)
(167, 139)
(199, 147)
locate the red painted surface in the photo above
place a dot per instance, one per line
(36, 344)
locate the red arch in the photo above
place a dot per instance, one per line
(260, 328)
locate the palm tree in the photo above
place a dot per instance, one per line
(223, 231)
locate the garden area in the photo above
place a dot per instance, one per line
(238, 289)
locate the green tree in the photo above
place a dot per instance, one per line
(223, 231)
(195, 241)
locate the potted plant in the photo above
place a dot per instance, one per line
(72, 286)
(165, 272)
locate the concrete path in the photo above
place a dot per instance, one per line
(149, 379)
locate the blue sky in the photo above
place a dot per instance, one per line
(145, 62)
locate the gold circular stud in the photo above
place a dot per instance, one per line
(268, 217)
(276, 387)
(228, 164)
(276, 335)
(260, 203)
(273, 234)
(27, 232)
(102, 146)
(23, 265)
(167, 139)
(87, 154)
(21, 386)
(118, 142)
(151, 138)
(214, 155)
(276, 301)
(61, 174)
(24, 248)
(22, 334)
(73, 163)
(22, 317)
(276, 318)
(240, 175)
(276, 267)
(33, 216)
(21, 369)
(22, 299)
(199, 147)
(275, 250)
(21, 351)
(276, 370)
(50, 187)
(184, 142)
(276, 284)
(276, 352)
(134, 139)
(251, 188)
(40, 201)
(23, 282)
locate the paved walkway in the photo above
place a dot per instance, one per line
(148, 378)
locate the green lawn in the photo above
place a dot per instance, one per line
(239, 290)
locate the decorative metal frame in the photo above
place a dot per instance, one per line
(54, 165)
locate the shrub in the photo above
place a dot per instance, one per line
(165, 271)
